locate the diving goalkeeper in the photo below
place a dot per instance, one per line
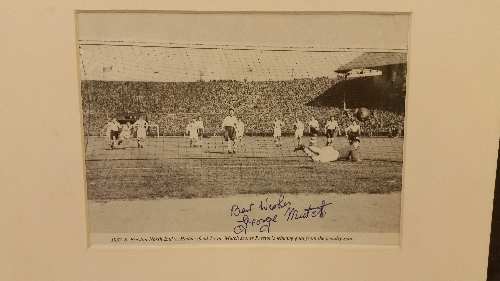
(330, 154)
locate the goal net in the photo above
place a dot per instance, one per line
(172, 84)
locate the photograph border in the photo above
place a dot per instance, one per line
(270, 13)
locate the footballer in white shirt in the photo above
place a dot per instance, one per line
(299, 131)
(229, 126)
(126, 133)
(331, 127)
(277, 125)
(240, 131)
(140, 126)
(113, 128)
(191, 131)
(353, 132)
(200, 128)
(313, 131)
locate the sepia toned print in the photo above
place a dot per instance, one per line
(243, 128)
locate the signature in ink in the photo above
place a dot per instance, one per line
(294, 214)
(246, 222)
(266, 205)
(237, 210)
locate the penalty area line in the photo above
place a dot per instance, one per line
(199, 167)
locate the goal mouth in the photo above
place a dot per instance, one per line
(171, 85)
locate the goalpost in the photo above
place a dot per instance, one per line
(175, 82)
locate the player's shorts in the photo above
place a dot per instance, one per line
(113, 134)
(200, 132)
(299, 134)
(314, 131)
(277, 133)
(230, 133)
(141, 133)
(353, 136)
(330, 133)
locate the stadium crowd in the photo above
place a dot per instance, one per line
(172, 105)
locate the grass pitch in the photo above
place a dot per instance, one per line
(169, 167)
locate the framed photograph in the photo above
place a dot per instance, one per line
(241, 159)
(247, 134)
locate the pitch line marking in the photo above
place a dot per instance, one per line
(200, 167)
(217, 167)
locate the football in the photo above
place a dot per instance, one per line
(362, 114)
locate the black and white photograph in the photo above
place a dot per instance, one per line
(230, 128)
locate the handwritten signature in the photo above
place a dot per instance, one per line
(269, 206)
(264, 224)
(294, 214)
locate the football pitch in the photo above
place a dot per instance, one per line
(167, 167)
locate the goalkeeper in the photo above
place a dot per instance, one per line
(329, 154)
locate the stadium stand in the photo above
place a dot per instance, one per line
(174, 82)
(171, 105)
